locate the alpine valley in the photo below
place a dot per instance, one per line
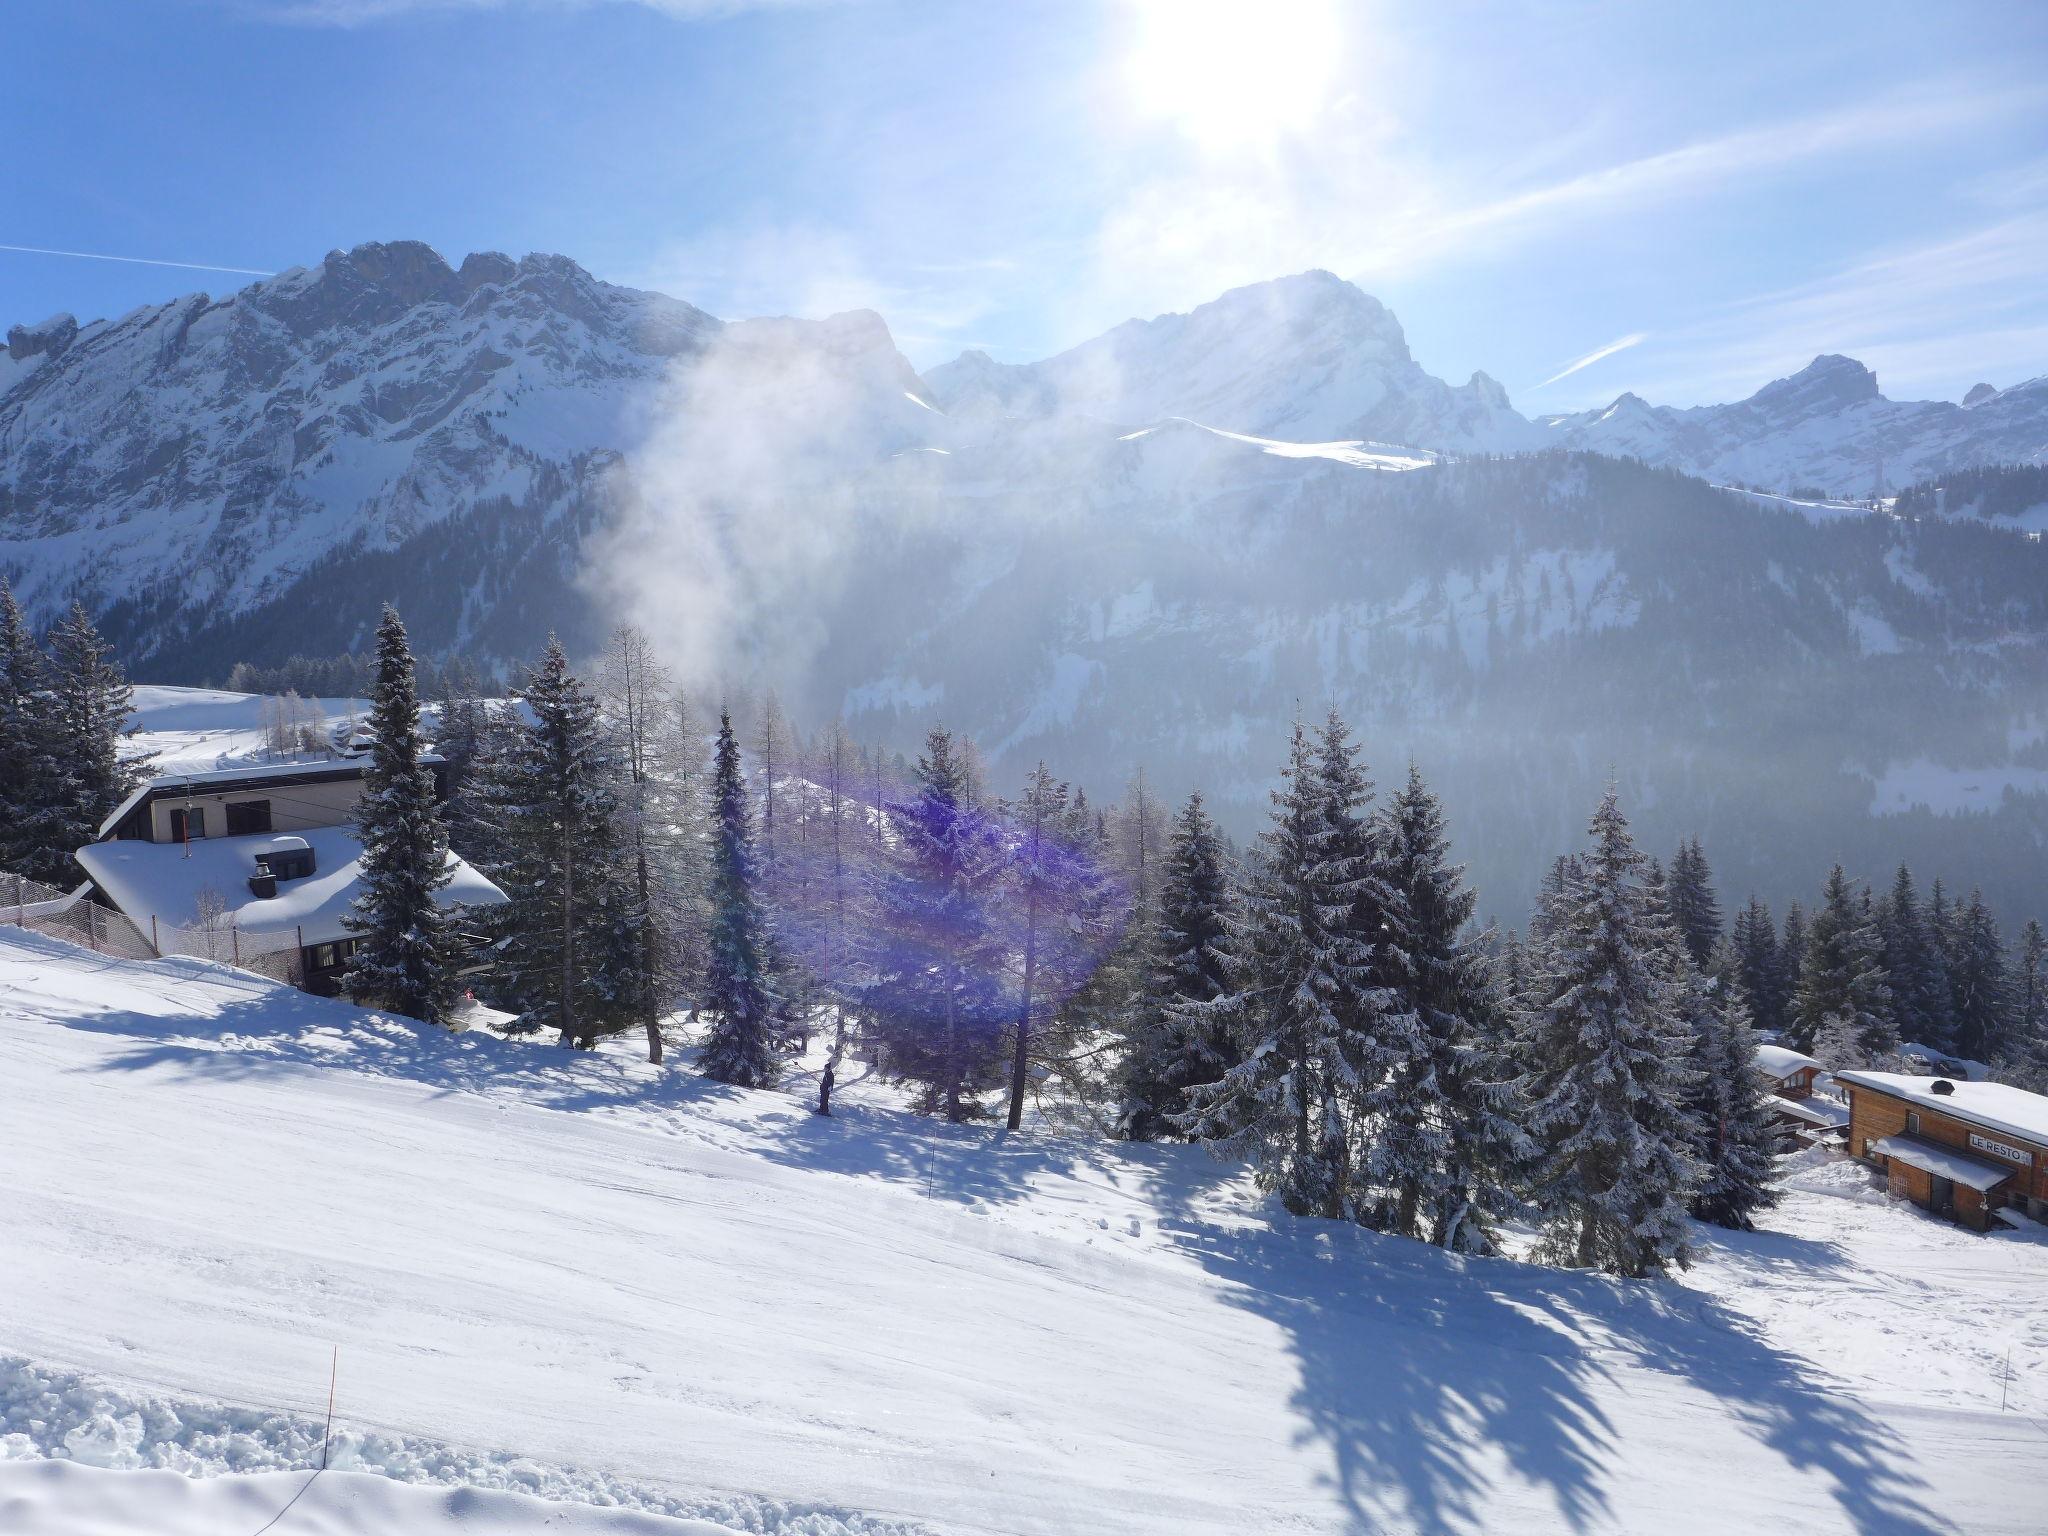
(1151, 549)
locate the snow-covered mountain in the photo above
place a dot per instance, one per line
(1825, 428)
(1307, 358)
(1146, 550)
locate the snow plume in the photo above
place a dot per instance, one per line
(740, 509)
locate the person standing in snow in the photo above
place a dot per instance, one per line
(825, 1090)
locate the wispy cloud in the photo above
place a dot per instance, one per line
(138, 261)
(352, 13)
(1622, 344)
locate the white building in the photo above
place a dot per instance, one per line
(241, 862)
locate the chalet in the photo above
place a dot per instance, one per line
(244, 861)
(1959, 1149)
(1798, 1114)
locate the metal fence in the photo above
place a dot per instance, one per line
(69, 915)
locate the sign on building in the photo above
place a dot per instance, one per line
(2010, 1153)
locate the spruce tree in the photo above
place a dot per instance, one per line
(740, 1046)
(554, 795)
(1914, 966)
(1695, 909)
(938, 1002)
(1734, 1141)
(1448, 1147)
(1843, 975)
(406, 945)
(1607, 1103)
(1302, 1000)
(1172, 1043)
(88, 714)
(1759, 969)
(1980, 984)
(32, 825)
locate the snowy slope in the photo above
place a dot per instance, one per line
(560, 1273)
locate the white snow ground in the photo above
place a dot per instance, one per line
(576, 1277)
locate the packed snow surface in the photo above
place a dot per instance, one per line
(576, 1277)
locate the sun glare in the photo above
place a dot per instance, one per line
(1233, 75)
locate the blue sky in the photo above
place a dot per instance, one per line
(1707, 194)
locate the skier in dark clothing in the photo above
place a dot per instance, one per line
(825, 1090)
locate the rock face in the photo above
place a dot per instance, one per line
(1826, 428)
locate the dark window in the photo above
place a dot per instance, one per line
(247, 816)
(188, 826)
(323, 957)
(1912, 1122)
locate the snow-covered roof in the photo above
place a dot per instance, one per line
(308, 770)
(1950, 1064)
(1780, 1062)
(1821, 1112)
(164, 881)
(1995, 1106)
(1944, 1162)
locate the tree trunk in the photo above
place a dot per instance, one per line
(1019, 1062)
(647, 955)
(952, 1055)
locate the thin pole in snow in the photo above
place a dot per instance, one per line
(2005, 1380)
(333, 1372)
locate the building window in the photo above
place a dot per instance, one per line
(188, 825)
(323, 957)
(1912, 1122)
(248, 816)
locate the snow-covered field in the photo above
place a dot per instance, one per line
(194, 730)
(576, 1281)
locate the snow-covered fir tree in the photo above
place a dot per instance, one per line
(407, 949)
(740, 1047)
(938, 1000)
(1449, 1147)
(1173, 1042)
(1607, 1102)
(1842, 976)
(554, 796)
(1734, 1141)
(1303, 1001)
(1695, 909)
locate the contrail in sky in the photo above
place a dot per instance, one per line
(1593, 357)
(139, 261)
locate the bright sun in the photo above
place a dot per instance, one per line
(1235, 75)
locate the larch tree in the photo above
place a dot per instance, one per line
(407, 947)
(1607, 1102)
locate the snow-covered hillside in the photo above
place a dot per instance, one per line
(578, 1277)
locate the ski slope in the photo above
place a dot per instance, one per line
(578, 1281)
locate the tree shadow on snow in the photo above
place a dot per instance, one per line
(1423, 1372)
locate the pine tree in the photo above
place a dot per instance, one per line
(1302, 1002)
(2024, 1062)
(1791, 965)
(1172, 1043)
(740, 1047)
(1734, 1141)
(939, 998)
(88, 714)
(1607, 1103)
(1695, 909)
(1449, 1147)
(406, 946)
(31, 781)
(554, 796)
(1843, 974)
